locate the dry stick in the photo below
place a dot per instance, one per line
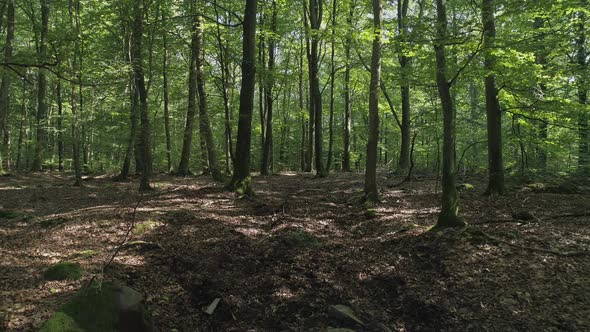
(123, 241)
(545, 251)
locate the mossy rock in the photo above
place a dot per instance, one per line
(6, 214)
(300, 239)
(144, 227)
(89, 253)
(64, 271)
(110, 308)
(53, 222)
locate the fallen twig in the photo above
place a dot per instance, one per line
(545, 251)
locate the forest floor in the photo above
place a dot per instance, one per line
(279, 261)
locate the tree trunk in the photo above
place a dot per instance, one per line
(41, 141)
(60, 136)
(223, 63)
(405, 63)
(268, 141)
(138, 71)
(494, 114)
(131, 146)
(583, 127)
(5, 89)
(187, 142)
(204, 124)
(347, 111)
(315, 19)
(371, 192)
(166, 98)
(449, 214)
(332, 83)
(241, 181)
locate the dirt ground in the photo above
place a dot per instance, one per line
(280, 260)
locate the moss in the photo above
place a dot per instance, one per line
(465, 186)
(53, 222)
(89, 253)
(90, 310)
(143, 227)
(300, 239)
(370, 214)
(5, 214)
(63, 271)
(243, 187)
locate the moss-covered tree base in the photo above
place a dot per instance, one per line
(242, 186)
(449, 220)
(109, 308)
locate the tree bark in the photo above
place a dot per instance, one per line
(332, 86)
(449, 214)
(315, 19)
(166, 97)
(41, 141)
(241, 181)
(204, 123)
(371, 192)
(494, 114)
(5, 89)
(347, 106)
(405, 63)
(138, 71)
(583, 126)
(268, 141)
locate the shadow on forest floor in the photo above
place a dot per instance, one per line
(280, 260)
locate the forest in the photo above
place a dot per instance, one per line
(294, 165)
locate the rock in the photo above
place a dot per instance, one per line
(63, 271)
(211, 308)
(109, 308)
(344, 314)
(523, 215)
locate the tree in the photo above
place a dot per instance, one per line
(269, 83)
(347, 107)
(449, 214)
(582, 64)
(5, 88)
(371, 192)
(41, 141)
(241, 178)
(204, 124)
(166, 97)
(183, 167)
(493, 112)
(405, 63)
(138, 73)
(316, 11)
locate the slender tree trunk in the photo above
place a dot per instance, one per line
(133, 110)
(582, 63)
(41, 142)
(60, 136)
(309, 100)
(223, 63)
(241, 181)
(5, 89)
(21, 132)
(76, 71)
(166, 98)
(315, 18)
(332, 83)
(204, 123)
(405, 63)
(449, 214)
(371, 192)
(187, 142)
(303, 152)
(138, 71)
(541, 59)
(494, 114)
(347, 111)
(269, 82)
